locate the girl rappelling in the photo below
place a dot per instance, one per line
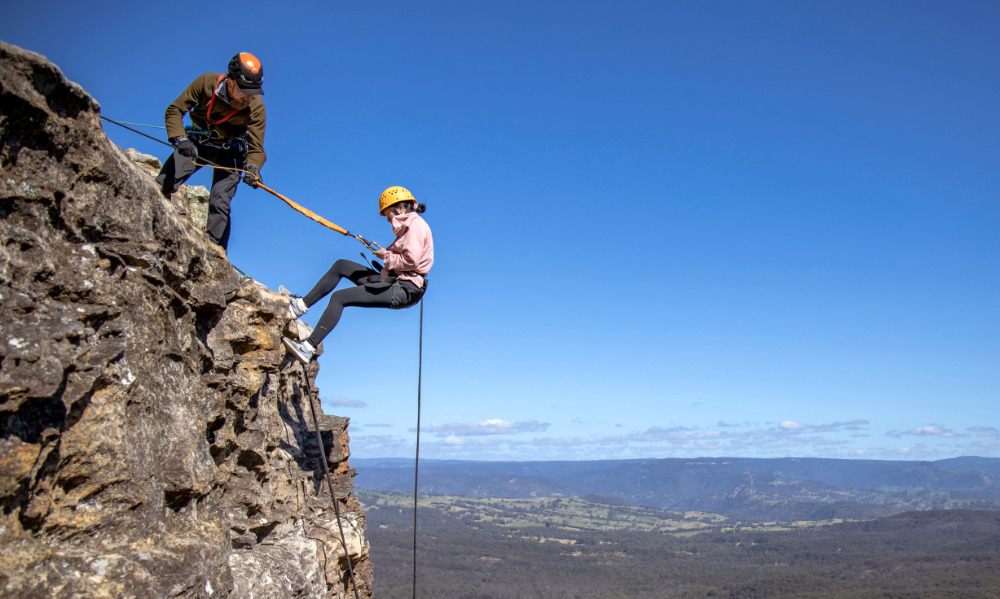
(400, 283)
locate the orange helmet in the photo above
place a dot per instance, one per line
(247, 72)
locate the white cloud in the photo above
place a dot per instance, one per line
(472, 441)
(677, 434)
(789, 437)
(984, 431)
(564, 441)
(791, 425)
(343, 402)
(985, 447)
(931, 430)
(380, 445)
(494, 426)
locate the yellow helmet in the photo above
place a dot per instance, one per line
(394, 195)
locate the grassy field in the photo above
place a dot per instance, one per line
(596, 548)
(571, 513)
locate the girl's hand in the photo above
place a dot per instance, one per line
(380, 253)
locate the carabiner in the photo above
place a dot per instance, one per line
(371, 245)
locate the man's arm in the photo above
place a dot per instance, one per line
(255, 134)
(188, 99)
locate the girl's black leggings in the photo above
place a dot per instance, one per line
(350, 296)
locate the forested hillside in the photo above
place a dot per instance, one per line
(759, 489)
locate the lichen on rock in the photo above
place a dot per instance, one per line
(155, 439)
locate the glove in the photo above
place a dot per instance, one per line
(186, 147)
(252, 175)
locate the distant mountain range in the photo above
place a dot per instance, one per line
(781, 489)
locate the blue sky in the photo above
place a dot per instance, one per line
(663, 229)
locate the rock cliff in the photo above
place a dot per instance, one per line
(155, 439)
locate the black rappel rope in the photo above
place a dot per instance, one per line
(121, 124)
(156, 139)
(329, 482)
(416, 463)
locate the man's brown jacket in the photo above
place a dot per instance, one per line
(251, 120)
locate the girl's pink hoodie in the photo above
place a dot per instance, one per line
(412, 254)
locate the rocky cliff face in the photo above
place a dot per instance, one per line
(155, 439)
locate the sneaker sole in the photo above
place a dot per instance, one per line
(295, 352)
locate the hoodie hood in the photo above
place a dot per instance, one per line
(401, 222)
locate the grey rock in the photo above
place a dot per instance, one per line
(155, 439)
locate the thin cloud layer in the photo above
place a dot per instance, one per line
(932, 430)
(791, 425)
(343, 402)
(984, 431)
(487, 427)
(497, 439)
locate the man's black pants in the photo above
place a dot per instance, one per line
(224, 184)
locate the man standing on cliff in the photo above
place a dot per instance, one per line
(227, 129)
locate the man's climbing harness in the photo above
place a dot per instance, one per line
(212, 139)
(329, 482)
(202, 161)
(211, 103)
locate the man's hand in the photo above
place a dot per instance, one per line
(252, 175)
(186, 147)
